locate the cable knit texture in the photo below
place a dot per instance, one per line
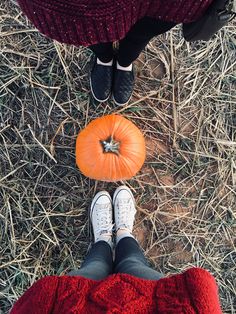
(193, 292)
(88, 22)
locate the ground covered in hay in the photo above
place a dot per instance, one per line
(185, 104)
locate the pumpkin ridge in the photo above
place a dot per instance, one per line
(124, 160)
(123, 132)
(112, 123)
(134, 161)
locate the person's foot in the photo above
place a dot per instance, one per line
(101, 217)
(123, 84)
(101, 77)
(124, 209)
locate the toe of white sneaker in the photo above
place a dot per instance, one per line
(123, 192)
(101, 198)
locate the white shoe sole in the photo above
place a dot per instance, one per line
(96, 197)
(99, 100)
(118, 104)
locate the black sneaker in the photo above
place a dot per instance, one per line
(123, 86)
(101, 78)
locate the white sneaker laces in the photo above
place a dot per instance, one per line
(104, 226)
(124, 209)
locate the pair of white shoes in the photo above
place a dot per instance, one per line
(101, 212)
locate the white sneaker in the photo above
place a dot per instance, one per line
(101, 216)
(124, 208)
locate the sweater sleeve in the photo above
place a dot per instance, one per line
(204, 291)
(39, 298)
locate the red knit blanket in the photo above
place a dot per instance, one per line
(193, 292)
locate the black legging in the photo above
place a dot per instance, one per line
(134, 42)
(129, 259)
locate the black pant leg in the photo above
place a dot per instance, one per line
(129, 259)
(98, 264)
(104, 51)
(138, 37)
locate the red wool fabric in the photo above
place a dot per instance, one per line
(193, 292)
(88, 22)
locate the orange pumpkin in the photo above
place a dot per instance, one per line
(110, 148)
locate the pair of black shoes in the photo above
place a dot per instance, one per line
(105, 80)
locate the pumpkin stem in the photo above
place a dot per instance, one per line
(110, 146)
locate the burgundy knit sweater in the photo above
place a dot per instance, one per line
(193, 292)
(87, 22)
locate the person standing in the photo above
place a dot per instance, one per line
(97, 24)
(126, 284)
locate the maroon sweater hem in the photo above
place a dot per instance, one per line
(89, 22)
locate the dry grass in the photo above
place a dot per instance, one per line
(185, 103)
